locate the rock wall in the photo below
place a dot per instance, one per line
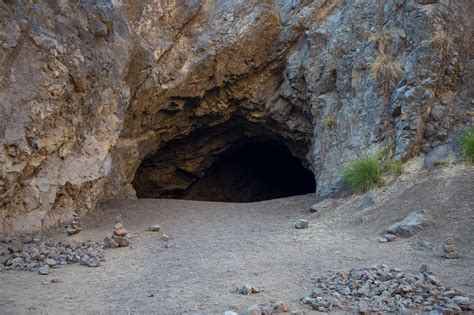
(89, 89)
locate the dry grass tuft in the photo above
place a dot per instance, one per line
(443, 42)
(386, 71)
(325, 9)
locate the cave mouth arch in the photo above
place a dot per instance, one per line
(248, 169)
(253, 171)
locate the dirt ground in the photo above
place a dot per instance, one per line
(219, 246)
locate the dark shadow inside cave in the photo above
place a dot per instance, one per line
(249, 169)
(253, 171)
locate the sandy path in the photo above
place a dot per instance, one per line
(217, 246)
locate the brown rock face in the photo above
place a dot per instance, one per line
(90, 90)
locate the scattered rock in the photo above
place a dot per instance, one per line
(122, 241)
(110, 242)
(154, 228)
(246, 290)
(120, 230)
(254, 310)
(302, 224)
(52, 254)
(281, 307)
(44, 270)
(50, 262)
(230, 313)
(382, 239)
(449, 250)
(27, 240)
(413, 223)
(164, 237)
(380, 289)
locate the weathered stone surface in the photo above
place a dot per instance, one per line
(91, 90)
(413, 223)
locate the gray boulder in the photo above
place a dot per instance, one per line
(413, 223)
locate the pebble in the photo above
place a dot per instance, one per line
(43, 270)
(122, 241)
(246, 290)
(154, 228)
(281, 307)
(164, 237)
(110, 242)
(302, 224)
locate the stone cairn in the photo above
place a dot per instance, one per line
(119, 236)
(384, 289)
(75, 226)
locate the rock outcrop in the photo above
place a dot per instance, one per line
(91, 89)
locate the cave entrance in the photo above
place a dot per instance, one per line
(253, 171)
(245, 170)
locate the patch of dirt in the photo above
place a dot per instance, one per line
(220, 246)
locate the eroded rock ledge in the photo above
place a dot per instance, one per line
(90, 89)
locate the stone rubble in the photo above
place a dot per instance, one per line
(42, 256)
(383, 289)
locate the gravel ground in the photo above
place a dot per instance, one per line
(216, 247)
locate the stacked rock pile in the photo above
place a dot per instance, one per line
(119, 237)
(75, 226)
(33, 254)
(384, 289)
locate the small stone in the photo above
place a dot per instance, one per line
(50, 262)
(281, 307)
(245, 290)
(27, 240)
(390, 237)
(110, 242)
(71, 230)
(121, 232)
(449, 246)
(382, 239)
(93, 262)
(462, 301)
(164, 237)
(43, 270)
(122, 241)
(254, 310)
(364, 308)
(154, 228)
(230, 313)
(302, 224)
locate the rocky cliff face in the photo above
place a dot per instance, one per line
(91, 89)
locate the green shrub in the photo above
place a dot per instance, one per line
(467, 143)
(397, 167)
(362, 174)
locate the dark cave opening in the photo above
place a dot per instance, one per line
(253, 171)
(246, 169)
